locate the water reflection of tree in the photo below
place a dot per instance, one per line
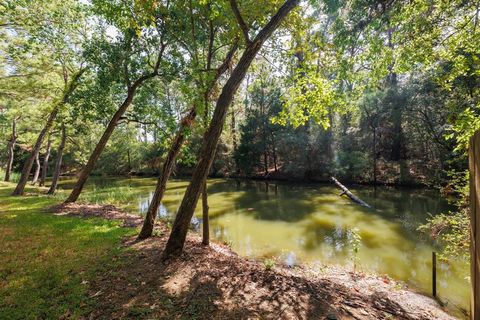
(334, 236)
(268, 201)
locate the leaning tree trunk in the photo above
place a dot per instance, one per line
(233, 128)
(38, 166)
(27, 167)
(178, 235)
(87, 170)
(11, 151)
(85, 173)
(58, 162)
(349, 194)
(185, 124)
(43, 177)
(149, 222)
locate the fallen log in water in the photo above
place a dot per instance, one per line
(352, 197)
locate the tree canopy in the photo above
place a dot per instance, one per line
(372, 92)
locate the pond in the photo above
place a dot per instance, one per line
(311, 223)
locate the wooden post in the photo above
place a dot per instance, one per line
(434, 274)
(474, 165)
(205, 218)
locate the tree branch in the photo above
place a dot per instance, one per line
(130, 119)
(243, 26)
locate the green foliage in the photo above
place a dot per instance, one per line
(354, 240)
(351, 164)
(269, 264)
(467, 123)
(14, 176)
(449, 229)
(310, 97)
(357, 89)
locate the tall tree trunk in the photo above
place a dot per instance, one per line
(45, 163)
(11, 150)
(264, 132)
(178, 235)
(265, 159)
(145, 133)
(187, 122)
(206, 98)
(38, 166)
(132, 89)
(375, 156)
(233, 127)
(274, 152)
(88, 168)
(205, 218)
(58, 162)
(129, 161)
(398, 146)
(27, 167)
(264, 137)
(149, 222)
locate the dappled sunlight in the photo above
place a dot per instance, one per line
(45, 256)
(308, 223)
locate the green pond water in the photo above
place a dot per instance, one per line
(310, 223)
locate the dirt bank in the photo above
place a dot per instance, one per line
(215, 283)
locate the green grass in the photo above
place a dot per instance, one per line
(115, 195)
(14, 176)
(46, 261)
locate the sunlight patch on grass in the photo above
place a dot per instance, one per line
(45, 258)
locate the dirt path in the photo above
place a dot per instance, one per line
(215, 283)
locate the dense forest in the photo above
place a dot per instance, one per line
(369, 92)
(381, 92)
(355, 94)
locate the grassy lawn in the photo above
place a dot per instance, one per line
(47, 261)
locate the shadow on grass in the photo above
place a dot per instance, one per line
(47, 261)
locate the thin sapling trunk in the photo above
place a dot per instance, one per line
(11, 151)
(58, 162)
(43, 177)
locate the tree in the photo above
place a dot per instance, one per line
(177, 237)
(38, 167)
(69, 88)
(46, 158)
(258, 149)
(58, 161)
(204, 85)
(136, 64)
(11, 150)
(56, 40)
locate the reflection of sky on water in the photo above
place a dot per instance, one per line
(290, 259)
(143, 204)
(163, 213)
